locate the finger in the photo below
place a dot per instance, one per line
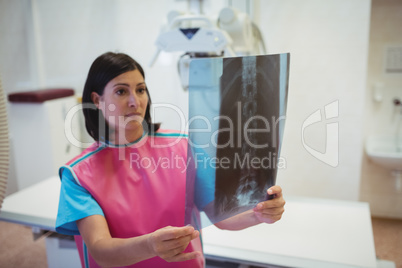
(171, 252)
(171, 248)
(182, 239)
(179, 242)
(275, 190)
(268, 219)
(270, 204)
(165, 239)
(175, 232)
(267, 213)
(271, 211)
(195, 234)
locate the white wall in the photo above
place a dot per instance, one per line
(328, 42)
(377, 183)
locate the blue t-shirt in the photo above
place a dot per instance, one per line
(75, 203)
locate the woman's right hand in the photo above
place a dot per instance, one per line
(170, 242)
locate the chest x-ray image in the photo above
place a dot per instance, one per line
(237, 110)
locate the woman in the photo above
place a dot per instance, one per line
(123, 208)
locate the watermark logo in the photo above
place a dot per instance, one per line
(331, 154)
(245, 136)
(205, 162)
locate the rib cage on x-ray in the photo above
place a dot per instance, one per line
(250, 98)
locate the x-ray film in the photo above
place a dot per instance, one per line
(237, 112)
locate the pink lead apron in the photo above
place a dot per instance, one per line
(140, 187)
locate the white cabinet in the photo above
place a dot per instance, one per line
(38, 141)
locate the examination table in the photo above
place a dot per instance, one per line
(313, 232)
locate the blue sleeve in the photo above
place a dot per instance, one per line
(75, 203)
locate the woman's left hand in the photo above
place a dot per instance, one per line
(271, 211)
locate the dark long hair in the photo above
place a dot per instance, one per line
(105, 68)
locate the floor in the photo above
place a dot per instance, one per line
(388, 239)
(18, 248)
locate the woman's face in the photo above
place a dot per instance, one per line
(124, 102)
